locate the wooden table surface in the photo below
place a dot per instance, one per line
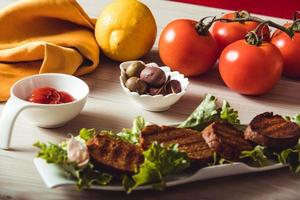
(109, 108)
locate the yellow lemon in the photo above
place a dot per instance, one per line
(125, 30)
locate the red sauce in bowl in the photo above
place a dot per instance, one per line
(48, 95)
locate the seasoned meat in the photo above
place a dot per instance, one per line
(225, 140)
(189, 141)
(115, 154)
(272, 131)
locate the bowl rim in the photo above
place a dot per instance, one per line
(122, 69)
(50, 74)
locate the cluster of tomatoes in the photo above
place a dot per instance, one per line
(251, 59)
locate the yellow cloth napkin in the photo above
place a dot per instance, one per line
(42, 36)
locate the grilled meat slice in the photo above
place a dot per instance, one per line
(272, 131)
(115, 154)
(189, 141)
(225, 140)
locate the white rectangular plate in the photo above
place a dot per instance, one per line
(53, 175)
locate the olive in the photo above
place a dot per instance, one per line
(154, 91)
(134, 84)
(135, 69)
(153, 76)
(173, 86)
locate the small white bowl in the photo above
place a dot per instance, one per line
(42, 115)
(155, 103)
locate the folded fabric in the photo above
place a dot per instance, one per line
(44, 36)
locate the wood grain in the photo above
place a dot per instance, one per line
(109, 108)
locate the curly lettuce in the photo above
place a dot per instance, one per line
(84, 177)
(132, 135)
(228, 114)
(261, 156)
(208, 111)
(87, 134)
(52, 153)
(217, 160)
(256, 156)
(295, 118)
(159, 161)
(290, 156)
(87, 176)
(202, 115)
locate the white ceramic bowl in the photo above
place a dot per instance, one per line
(42, 115)
(155, 103)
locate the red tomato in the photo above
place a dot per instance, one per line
(290, 49)
(226, 33)
(45, 95)
(183, 49)
(250, 69)
(65, 97)
(48, 95)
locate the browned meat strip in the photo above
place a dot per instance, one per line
(115, 154)
(272, 131)
(225, 140)
(188, 141)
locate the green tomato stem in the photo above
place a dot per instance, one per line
(203, 28)
(256, 19)
(295, 16)
(242, 14)
(253, 38)
(242, 17)
(295, 27)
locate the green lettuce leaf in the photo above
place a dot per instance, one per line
(256, 155)
(132, 135)
(217, 160)
(84, 177)
(87, 176)
(87, 134)
(262, 156)
(52, 153)
(231, 116)
(159, 162)
(228, 114)
(203, 115)
(290, 156)
(208, 112)
(295, 118)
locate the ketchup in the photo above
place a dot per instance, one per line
(48, 95)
